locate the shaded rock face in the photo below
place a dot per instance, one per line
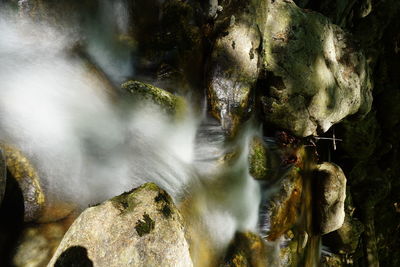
(246, 249)
(139, 228)
(234, 65)
(330, 194)
(317, 76)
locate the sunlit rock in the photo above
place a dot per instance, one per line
(3, 175)
(316, 75)
(172, 104)
(258, 159)
(330, 194)
(246, 249)
(265, 160)
(234, 64)
(139, 228)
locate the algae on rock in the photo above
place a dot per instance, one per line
(173, 105)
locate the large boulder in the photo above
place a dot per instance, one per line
(234, 63)
(330, 194)
(139, 228)
(316, 74)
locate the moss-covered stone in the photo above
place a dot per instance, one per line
(172, 104)
(130, 230)
(258, 159)
(144, 226)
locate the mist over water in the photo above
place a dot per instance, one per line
(88, 147)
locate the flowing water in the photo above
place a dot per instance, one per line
(87, 145)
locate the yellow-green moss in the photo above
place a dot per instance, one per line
(174, 105)
(258, 159)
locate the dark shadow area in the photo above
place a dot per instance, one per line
(12, 220)
(75, 256)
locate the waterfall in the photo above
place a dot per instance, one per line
(88, 147)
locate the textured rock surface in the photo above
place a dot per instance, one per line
(330, 194)
(28, 180)
(258, 159)
(317, 77)
(285, 204)
(139, 228)
(234, 64)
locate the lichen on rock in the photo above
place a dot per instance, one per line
(130, 230)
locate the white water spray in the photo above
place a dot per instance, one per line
(87, 149)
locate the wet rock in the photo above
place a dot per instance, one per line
(38, 206)
(28, 180)
(258, 159)
(246, 249)
(38, 242)
(172, 104)
(316, 75)
(284, 206)
(234, 65)
(139, 228)
(330, 194)
(3, 176)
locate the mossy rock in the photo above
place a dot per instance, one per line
(258, 159)
(141, 227)
(173, 105)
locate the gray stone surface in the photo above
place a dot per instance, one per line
(139, 228)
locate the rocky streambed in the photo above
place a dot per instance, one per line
(183, 133)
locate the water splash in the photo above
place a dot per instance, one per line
(88, 148)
